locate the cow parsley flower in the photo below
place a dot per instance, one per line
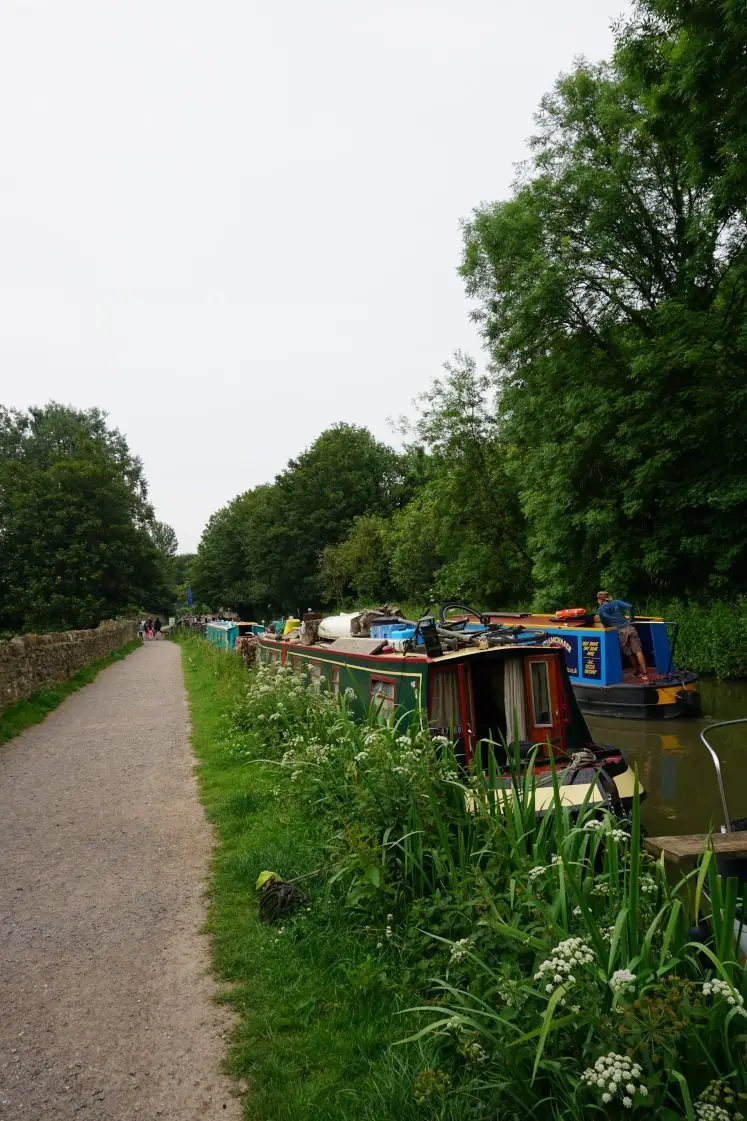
(730, 995)
(558, 968)
(460, 949)
(615, 1074)
(622, 980)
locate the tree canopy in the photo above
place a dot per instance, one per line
(78, 540)
(610, 291)
(607, 442)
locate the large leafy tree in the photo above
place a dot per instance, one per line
(610, 290)
(76, 529)
(262, 552)
(462, 531)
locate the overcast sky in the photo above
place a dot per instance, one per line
(232, 223)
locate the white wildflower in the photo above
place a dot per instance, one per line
(622, 980)
(610, 1073)
(730, 995)
(704, 1111)
(460, 949)
(476, 1053)
(535, 873)
(569, 953)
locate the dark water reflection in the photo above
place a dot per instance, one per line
(674, 766)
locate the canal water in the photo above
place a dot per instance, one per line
(675, 768)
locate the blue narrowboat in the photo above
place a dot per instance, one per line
(602, 683)
(223, 634)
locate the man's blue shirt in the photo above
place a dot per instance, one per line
(612, 613)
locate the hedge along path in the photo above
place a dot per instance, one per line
(106, 1000)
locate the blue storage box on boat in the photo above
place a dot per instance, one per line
(398, 631)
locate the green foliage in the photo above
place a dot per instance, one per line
(314, 998)
(80, 543)
(359, 566)
(711, 640)
(24, 714)
(261, 553)
(555, 944)
(607, 444)
(611, 292)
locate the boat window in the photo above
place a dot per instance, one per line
(541, 694)
(514, 699)
(334, 680)
(382, 695)
(315, 676)
(445, 705)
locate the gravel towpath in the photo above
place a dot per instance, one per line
(106, 1009)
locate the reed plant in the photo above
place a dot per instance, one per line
(539, 966)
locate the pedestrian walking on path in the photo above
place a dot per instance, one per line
(107, 999)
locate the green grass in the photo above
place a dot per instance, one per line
(24, 714)
(450, 910)
(316, 1009)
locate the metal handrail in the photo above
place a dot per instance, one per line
(726, 828)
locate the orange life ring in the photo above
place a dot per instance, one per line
(570, 613)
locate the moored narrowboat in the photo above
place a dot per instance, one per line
(224, 632)
(480, 697)
(602, 683)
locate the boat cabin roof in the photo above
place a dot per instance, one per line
(551, 622)
(410, 657)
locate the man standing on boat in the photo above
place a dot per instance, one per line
(611, 613)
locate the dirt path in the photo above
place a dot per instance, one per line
(105, 998)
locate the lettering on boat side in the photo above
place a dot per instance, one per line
(570, 647)
(592, 657)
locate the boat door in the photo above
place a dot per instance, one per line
(544, 718)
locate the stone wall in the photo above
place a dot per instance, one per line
(32, 661)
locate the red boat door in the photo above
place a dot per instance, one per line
(544, 717)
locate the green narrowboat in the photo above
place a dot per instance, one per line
(508, 692)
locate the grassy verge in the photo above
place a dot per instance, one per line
(316, 1009)
(35, 708)
(541, 967)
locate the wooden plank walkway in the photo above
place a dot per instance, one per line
(690, 846)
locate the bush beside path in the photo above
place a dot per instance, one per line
(107, 999)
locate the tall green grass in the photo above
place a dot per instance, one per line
(418, 984)
(711, 640)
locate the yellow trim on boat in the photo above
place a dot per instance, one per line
(574, 795)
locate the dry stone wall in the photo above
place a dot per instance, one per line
(33, 661)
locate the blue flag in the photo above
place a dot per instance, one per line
(189, 596)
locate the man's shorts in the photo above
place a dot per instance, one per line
(630, 643)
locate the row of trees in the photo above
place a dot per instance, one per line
(608, 442)
(78, 539)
